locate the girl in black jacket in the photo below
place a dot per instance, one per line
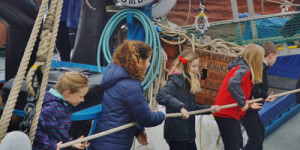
(178, 95)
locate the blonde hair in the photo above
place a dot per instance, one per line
(72, 81)
(253, 55)
(185, 68)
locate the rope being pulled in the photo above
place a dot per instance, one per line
(167, 116)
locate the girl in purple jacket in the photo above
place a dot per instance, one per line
(55, 117)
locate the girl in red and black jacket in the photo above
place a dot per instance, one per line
(236, 88)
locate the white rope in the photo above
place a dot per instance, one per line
(12, 98)
(167, 116)
(55, 10)
(216, 45)
(284, 3)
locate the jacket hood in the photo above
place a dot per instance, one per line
(52, 98)
(113, 74)
(237, 61)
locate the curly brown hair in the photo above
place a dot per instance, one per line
(128, 55)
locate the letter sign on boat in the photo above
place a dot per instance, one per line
(135, 3)
(159, 9)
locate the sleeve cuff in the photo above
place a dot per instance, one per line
(181, 106)
(139, 130)
(242, 104)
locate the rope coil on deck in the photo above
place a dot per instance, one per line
(167, 116)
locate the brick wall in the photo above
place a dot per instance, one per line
(215, 65)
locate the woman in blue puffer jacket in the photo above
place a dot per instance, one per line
(123, 100)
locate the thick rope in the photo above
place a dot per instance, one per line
(57, 13)
(30, 77)
(98, 135)
(167, 116)
(216, 45)
(176, 32)
(43, 48)
(10, 104)
(284, 3)
(160, 80)
(189, 13)
(174, 43)
(158, 83)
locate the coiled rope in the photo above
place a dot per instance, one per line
(216, 45)
(158, 83)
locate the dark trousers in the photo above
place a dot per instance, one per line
(182, 145)
(63, 42)
(230, 130)
(255, 130)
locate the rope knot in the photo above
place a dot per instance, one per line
(49, 22)
(41, 58)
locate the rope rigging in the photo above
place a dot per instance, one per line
(57, 8)
(9, 107)
(42, 63)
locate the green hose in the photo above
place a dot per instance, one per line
(151, 38)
